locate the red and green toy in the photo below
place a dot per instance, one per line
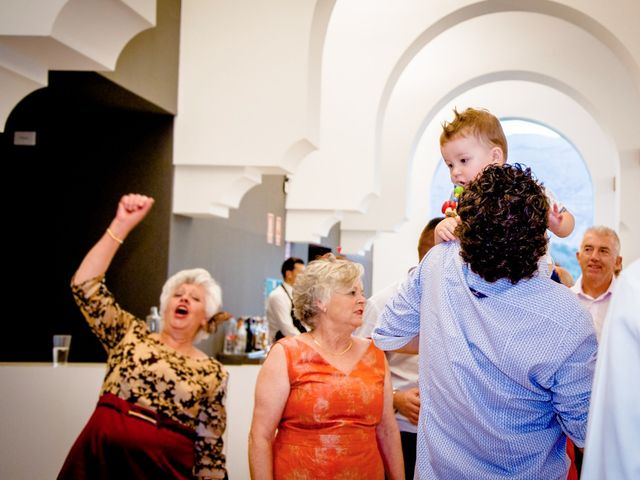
(450, 207)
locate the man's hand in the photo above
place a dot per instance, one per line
(407, 403)
(218, 319)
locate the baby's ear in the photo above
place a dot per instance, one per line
(497, 155)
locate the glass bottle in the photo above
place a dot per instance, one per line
(230, 337)
(241, 338)
(153, 320)
(250, 326)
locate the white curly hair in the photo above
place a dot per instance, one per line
(212, 295)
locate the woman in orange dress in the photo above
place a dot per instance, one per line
(323, 406)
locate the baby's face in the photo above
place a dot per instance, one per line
(467, 156)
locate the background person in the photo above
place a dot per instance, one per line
(282, 321)
(160, 413)
(562, 275)
(613, 436)
(599, 257)
(323, 406)
(403, 366)
(506, 354)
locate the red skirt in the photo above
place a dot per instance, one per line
(122, 440)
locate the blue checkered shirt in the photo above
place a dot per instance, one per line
(505, 370)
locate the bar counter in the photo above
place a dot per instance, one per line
(43, 409)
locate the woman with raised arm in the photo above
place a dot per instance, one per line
(160, 412)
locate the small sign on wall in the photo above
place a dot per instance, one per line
(278, 235)
(24, 138)
(270, 227)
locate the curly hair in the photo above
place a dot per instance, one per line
(504, 216)
(477, 122)
(318, 282)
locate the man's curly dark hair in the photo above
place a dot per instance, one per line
(504, 215)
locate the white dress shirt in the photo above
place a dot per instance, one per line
(613, 438)
(597, 307)
(279, 312)
(403, 367)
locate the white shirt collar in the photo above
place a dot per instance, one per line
(577, 288)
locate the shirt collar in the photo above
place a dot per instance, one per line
(481, 288)
(577, 288)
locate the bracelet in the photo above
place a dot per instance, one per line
(112, 235)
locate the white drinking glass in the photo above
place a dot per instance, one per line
(61, 345)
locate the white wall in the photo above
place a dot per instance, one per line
(43, 409)
(389, 68)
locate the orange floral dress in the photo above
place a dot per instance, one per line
(328, 426)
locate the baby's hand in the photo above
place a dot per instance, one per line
(444, 230)
(560, 222)
(555, 218)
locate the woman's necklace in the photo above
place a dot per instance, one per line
(331, 353)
